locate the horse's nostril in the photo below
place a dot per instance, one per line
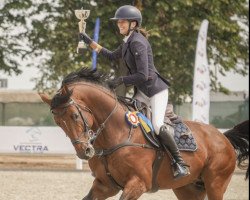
(89, 151)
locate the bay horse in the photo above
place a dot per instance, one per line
(120, 157)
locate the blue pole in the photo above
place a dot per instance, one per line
(96, 37)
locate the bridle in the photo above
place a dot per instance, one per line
(92, 135)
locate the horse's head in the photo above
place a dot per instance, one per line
(76, 120)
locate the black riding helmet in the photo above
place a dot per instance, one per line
(128, 12)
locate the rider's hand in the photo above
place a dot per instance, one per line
(115, 82)
(84, 37)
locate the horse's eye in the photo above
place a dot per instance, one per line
(75, 116)
(58, 123)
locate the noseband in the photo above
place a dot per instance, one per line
(92, 135)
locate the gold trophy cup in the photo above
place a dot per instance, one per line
(82, 15)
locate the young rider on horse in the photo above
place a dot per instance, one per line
(152, 89)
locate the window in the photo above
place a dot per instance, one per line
(3, 83)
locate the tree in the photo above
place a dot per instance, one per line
(173, 26)
(12, 34)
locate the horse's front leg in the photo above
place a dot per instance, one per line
(133, 189)
(100, 191)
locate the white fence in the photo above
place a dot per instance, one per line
(35, 140)
(42, 140)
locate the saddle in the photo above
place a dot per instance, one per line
(182, 134)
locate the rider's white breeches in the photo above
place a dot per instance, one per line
(158, 104)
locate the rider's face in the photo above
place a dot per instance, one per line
(123, 26)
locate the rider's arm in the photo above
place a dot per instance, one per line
(111, 55)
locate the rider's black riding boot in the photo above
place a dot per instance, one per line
(181, 168)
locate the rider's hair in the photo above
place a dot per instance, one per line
(143, 31)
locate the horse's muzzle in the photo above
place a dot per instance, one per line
(87, 153)
(90, 151)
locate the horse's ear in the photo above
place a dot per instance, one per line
(45, 98)
(67, 91)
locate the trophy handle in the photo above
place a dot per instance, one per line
(82, 26)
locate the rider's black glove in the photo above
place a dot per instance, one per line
(85, 38)
(115, 82)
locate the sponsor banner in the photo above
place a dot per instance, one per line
(41, 140)
(201, 84)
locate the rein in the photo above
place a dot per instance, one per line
(94, 134)
(102, 125)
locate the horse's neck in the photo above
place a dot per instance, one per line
(102, 103)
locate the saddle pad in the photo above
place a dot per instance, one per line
(184, 138)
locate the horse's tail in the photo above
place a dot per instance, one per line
(239, 138)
